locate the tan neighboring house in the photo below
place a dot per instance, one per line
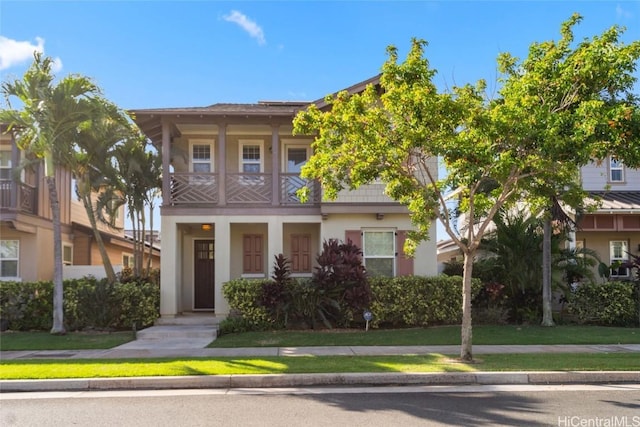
(613, 230)
(26, 231)
(229, 204)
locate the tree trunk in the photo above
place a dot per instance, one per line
(108, 267)
(58, 289)
(466, 352)
(547, 313)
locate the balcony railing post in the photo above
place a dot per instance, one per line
(275, 166)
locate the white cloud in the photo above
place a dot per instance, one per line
(622, 13)
(246, 24)
(14, 52)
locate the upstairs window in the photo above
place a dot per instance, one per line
(5, 165)
(201, 157)
(251, 157)
(616, 170)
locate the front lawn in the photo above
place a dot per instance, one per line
(438, 335)
(10, 340)
(105, 368)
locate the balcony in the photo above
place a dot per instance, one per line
(246, 189)
(18, 197)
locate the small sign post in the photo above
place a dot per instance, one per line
(367, 317)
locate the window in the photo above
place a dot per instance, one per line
(9, 254)
(5, 165)
(251, 157)
(618, 250)
(252, 255)
(67, 254)
(300, 253)
(201, 157)
(616, 170)
(378, 248)
(127, 261)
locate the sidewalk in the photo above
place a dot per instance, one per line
(163, 349)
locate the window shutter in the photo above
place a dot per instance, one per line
(252, 254)
(404, 264)
(300, 253)
(355, 236)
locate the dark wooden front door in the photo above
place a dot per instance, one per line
(204, 288)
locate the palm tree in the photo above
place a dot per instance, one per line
(46, 127)
(97, 183)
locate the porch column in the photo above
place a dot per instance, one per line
(275, 166)
(274, 240)
(169, 267)
(166, 167)
(222, 262)
(221, 163)
(15, 161)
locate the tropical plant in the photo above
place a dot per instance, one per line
(46, 126)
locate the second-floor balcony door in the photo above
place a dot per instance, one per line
(296, 157)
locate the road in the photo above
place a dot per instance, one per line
(564, 406)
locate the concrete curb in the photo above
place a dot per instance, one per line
(318, 380)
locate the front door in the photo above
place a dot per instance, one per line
(204, 288)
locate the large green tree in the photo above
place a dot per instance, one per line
(46, 122)
(496, 151)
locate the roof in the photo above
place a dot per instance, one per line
(610, 201)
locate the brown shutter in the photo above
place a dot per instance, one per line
(300, 253)
(252, 254)
(404, 264)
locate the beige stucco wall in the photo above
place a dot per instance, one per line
(599, 242)
(425, 259)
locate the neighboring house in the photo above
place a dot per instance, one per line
(26, 229)
(613, 229)
(229, 204)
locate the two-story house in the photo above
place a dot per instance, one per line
(613, 229)
(26, 229)
(229, 204)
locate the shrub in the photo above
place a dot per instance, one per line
(609, 304)
(417, 300)
(88, 303)
(245, 296)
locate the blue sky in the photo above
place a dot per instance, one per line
(154, 54)
(151, 54)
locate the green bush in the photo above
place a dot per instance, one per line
(418, 300)
(245, 296)
(88, 303)
(608, 304)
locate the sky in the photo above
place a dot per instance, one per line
(156, 54)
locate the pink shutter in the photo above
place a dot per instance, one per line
(404, 264)
(355, 236)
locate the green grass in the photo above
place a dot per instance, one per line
(442, 335)
(105, 368)
(71, 341)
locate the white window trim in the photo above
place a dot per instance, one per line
(17, 259)
(131, 260)
(620, 168)
(394, 250)
(211, 144)
(292, 144)
(241, 144)
(65, 262)
(625, 256)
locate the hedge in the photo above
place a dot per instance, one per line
(88, 303)
(400, 301)
(610, 303)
